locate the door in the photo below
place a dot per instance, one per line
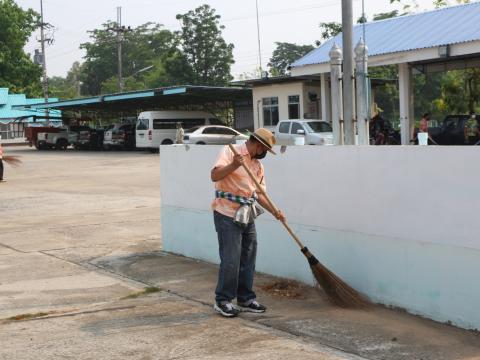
(141, 133)
(282, 135)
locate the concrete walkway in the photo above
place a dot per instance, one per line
(80, 232)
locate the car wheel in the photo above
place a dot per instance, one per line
(201, 143)
(61, 144)
(167, 142)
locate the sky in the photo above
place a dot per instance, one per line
(280, 21)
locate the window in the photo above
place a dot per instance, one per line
(294, 107)
(284, 127)
(227, 131)
(172, 123)
(295, 127)
(318, 127)
(212, 130)
(270, 111)
(142, 124)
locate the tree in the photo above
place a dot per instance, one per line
(329, 30)
(142, 47)
(285, 54)
(17, 71)
(204, 48)
(69, 87)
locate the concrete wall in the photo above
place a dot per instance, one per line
(400, 224)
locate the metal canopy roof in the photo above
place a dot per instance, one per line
(150, 99)
(446, 26)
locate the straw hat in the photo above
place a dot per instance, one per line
(266, 138)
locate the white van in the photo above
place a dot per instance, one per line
(155, 128)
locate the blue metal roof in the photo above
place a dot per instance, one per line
(446, 26)
(3, 96)
(11, 106)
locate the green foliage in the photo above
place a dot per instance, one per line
(285, 54)
(204, 48)
(386, 15)
(329, 30)
(69, 87)
(142, 47)
(17, 71)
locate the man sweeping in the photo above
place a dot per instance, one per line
(235, 209)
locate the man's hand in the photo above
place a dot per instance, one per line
(238, 160)
(279, 215)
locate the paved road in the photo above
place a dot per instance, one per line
(80, 231)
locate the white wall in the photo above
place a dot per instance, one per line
(282, 91)
(400, 224)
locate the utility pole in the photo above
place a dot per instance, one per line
(258, 38)
(42, 41)
(120, 32)
(347, 39)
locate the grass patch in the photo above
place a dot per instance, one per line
(144, 292)
(27, 316)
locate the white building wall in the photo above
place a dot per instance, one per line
(282, 91)
(399, 224)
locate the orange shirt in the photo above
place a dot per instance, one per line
(1, 152)
(238, 182)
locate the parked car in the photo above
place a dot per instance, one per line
(316, 132)
(212, 135)
(79, 136)
(451, 131)
(121, 136)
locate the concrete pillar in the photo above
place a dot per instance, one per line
(406, 102)
(325, 98)
(362, 92)
(336, 91)
(348, 91)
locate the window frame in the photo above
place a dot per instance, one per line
(292, 103)
(270, 104)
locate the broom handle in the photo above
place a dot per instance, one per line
(270, 202)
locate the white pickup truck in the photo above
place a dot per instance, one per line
(313, 132)
(60, 140)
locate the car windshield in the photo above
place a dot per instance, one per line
(191, 130)
(317, 127)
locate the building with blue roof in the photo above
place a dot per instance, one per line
(430, 41)
(14, 118)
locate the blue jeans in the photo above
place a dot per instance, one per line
(238, 252)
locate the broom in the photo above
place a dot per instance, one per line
(338, 292)
(12, 160)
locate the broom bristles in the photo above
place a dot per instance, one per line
(12, 160)
(338, 291)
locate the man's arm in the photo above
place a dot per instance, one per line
(219, 172)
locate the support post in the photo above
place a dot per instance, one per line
(406, 102)
(336, 93)
(325, 98)
(348, 94)
(362, 92)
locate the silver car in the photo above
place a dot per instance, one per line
(212, 135)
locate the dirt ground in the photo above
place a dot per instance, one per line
(80, 240)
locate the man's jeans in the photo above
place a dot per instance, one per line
(238, 251)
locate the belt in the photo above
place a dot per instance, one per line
(236, 198)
